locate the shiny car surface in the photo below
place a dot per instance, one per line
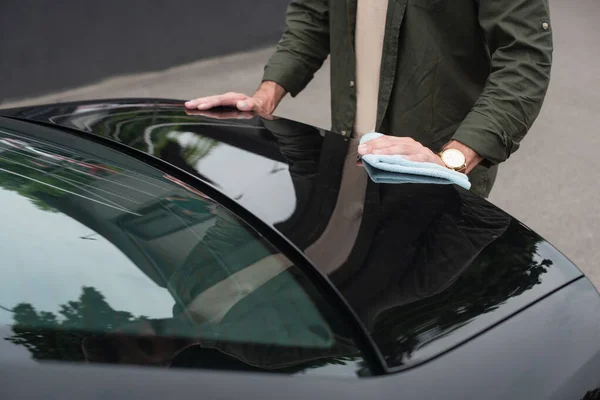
(152, 251)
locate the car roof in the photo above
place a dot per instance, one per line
(425, 267)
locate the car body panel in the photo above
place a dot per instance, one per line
(500, 266)
(511, 361)
(442, 280)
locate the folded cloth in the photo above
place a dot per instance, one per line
(397, 169)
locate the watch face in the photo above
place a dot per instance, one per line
(453, 158)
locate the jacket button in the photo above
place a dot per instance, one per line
(344, 132)
(352, 83)
(545, 26)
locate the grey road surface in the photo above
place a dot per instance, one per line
(551, 184)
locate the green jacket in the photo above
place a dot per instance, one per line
(472, 70)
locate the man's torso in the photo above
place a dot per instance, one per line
(434, 66)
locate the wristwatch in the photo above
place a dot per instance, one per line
(454, 159)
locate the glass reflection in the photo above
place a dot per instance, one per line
(136, 267)
(592, 395)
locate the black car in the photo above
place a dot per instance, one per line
(147, 252)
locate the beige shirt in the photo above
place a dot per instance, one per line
(332, 249)
(370, 32)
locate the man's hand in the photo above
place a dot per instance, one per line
(404, 146)
(264, 101)
(231, 99)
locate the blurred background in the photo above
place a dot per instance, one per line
(54, 51)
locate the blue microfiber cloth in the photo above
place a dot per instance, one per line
(397, 169)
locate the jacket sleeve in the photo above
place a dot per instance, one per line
(303, 47)
(518, 34)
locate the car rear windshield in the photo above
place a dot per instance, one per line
(107, 260)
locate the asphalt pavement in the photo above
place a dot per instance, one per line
(550, 184)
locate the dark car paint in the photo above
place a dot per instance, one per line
(544, 352)
(315, 163)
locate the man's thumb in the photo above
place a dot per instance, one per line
(246, 104)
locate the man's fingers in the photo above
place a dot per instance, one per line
(418, 158)
(394, 149)
(386, 145)
(224, 100)
(246, 104)
(387, 141)
(389, 149)
(192, 104)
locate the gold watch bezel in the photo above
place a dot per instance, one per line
(461, 168)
